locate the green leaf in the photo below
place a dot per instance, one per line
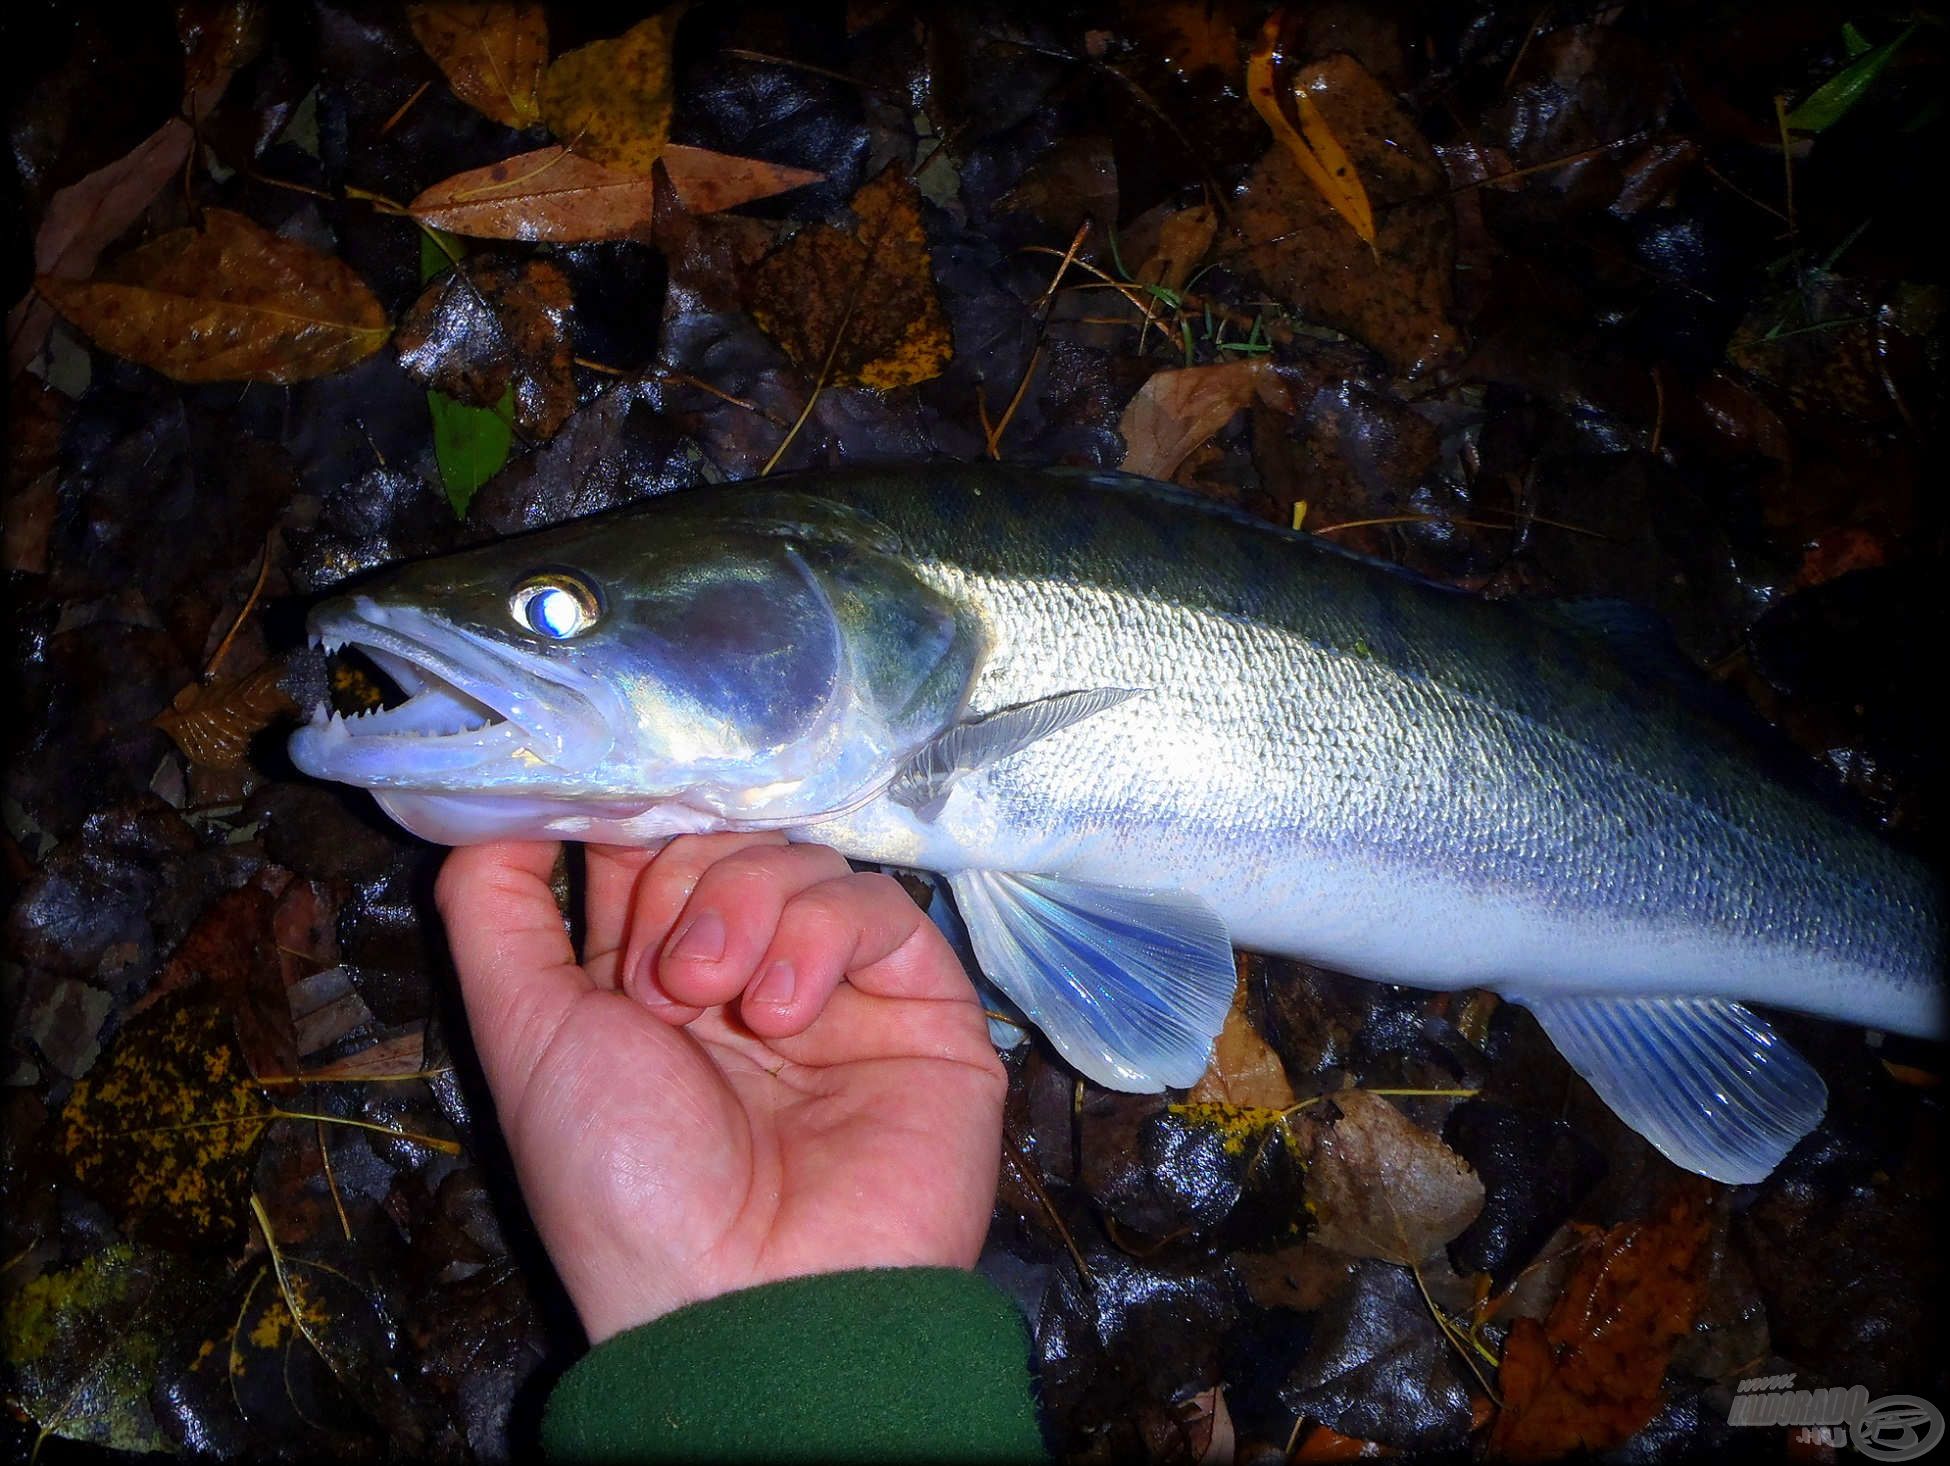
(471, 443)
(1829, 101)
(1853, 41)
(439, 252)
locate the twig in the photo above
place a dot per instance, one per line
(1659, 411)
(1035, 1185)
(250, 604)
(404, 107)
(992, 433)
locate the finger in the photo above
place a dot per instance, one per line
(612, 872)
(662, 887)
(518, 973)
(728, 922)
(859, 928)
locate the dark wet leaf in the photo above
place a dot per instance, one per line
(228, 302)
(858, 306)
(1379, 1369)
(1535, 1171)
(490, 327)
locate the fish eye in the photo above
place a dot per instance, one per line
(557, 604)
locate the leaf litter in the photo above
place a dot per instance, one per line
(1540, 330)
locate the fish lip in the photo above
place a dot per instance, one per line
(518, 703)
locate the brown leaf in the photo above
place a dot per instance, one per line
(1244, 1073)
(1381, 1186)
(609, 101)
(862, 301)
(1396, 295)
(218, 36)
(1176, 411)
(492, 323)
(1588, 1378)
(86, 217)
(1183, 240)
(492, 55)
(553, 194)
(213, 722)
(1314, 148)
(164, 1129)
(228, 302)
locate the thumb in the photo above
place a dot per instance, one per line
(518, 973)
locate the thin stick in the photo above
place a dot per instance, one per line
(250, 603)
(331, 1181)
(1659, 411)
(404, 107)
(1035, 1185)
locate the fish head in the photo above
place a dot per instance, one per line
(634, 677)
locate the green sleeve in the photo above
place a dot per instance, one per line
(920, 1364)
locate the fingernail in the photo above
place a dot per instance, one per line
(774, 989)
(702, 940)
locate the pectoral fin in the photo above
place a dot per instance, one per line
(927, 775)
(1712, 1087)
(1131, 986)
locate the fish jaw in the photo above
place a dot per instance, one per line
(479, 716)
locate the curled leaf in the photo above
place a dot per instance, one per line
(228, 302)
(1313, 144)
(609, 101)
(858, 306)
(554, 194)
(1175, 412)
(213, 723)
(492, 55)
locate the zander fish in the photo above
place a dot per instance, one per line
(1130, 729)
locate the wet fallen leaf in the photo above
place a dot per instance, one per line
(553, 194)
(1381, 1186)
(86, 217)
(1184, 238)
(85, 1345)
(492, 325)
(858, 307)
(228, 302)
(1588, 1378)
(1322, 160)
(1175, 412)
(218, 36)
(492, 55)
(1396, 294)
(609, 101)
(165, 1128)
(214, 722)
(1244, 1073)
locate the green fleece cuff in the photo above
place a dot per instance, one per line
(918, 1364)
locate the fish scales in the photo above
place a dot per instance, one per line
(1337, 757)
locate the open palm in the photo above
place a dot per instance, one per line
(765, 1066)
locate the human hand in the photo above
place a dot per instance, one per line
(682, 1124)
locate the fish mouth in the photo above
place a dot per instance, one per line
(477, 711)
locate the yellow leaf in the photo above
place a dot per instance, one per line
(228, 302)
(1244, 1073)
(1313, 145)
(491, 55)
(609, 101)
